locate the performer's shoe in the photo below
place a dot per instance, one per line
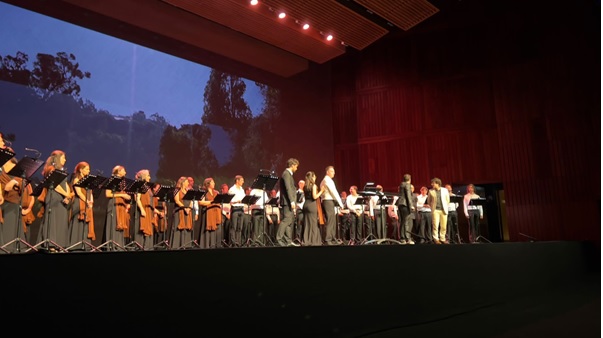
(293, 244)
(435, 241)
(411, 242)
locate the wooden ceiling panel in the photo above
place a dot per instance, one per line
(331, 17)
(239, 16)
(402, 13)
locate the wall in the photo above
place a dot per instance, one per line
(491, 93)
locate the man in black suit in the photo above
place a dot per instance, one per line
(405, 208)
(287, 202)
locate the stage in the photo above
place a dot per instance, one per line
(468, 290)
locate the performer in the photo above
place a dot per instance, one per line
(159, 219)
(438, 200)
(213, 215)
(425, 220)
(452, 228)
(287, 201)
(405, 210)
(225, 218)
(81, 226)
(237, 214)
(12, 194)
(143, 225)
(312, 234)
(118, 218)
(299, 215)
(330, 196)
(474, 213)
(378, 213)
(182, 225)
(57, 203)
(356, 215)
(273, 211)
(259, 217)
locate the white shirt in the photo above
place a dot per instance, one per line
(330, 192)
(239, 194)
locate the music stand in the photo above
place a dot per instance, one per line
(249, 200)
(164, 195)
(90, 182)
(479, 202)
(112, 183)
(223, 199)
(192, 195)
(50, 182)
(25, 168)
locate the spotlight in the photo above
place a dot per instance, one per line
(282, 15)
(329, 37)
(306, 26)
(253, 2)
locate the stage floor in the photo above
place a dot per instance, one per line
(484, 290)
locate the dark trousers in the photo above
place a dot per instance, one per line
(237, 218)
(404, 216)
(283, 234)
(425, 227)
(473, 225)
(330, 220)
(452, 229)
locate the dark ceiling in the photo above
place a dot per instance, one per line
(212, 32)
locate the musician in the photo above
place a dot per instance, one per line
(329, 200)
(11, 195)
(159, 219)
(343, 219)
(452, 229)
(406, 208)
(259, 217)
(182, 226)
(117, 222)
(312, 234)
(356, 213)
(237, 215)
(146, 213)
(474, 213)
(225, 217)
(81, 225)
(213, 215)
(274, 214)
(57, 203)
(425, 220)
(299, 214)
(438, 200)
(287, 203)
(378, 213)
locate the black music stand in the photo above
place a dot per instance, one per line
(479, 202)
(25, 168)
(112, 183)
(87, 183)
(133, 189)
(50, 182)
(249, 200)
(223, 199)
(194, 196)
(165, 195)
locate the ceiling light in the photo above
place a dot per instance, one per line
(329, 37)
(253, 2)
(306, 26)
(282, 15)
